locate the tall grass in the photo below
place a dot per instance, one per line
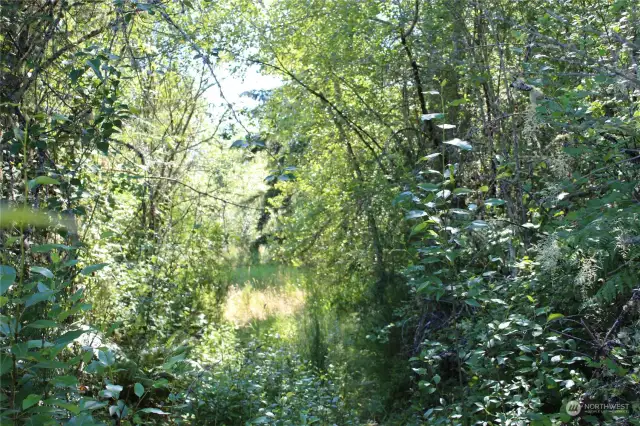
(267, 275)
(264, 296)
(248, 304)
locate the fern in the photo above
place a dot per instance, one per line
(620, 284)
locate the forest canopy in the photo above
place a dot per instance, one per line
(319, 212)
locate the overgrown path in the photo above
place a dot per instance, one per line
(457, 182)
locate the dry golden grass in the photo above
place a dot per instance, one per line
(247, 304)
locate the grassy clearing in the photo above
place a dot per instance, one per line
(266, 276)
(248, 304)
(265, 297)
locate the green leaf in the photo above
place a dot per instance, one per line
(432, 116)
(462, 191)
(30, 401)
(43, 248)
(32, 344)
(90, 404)
(153, 411)
(472, 302)
(459, 211)
(88, 270)
(446, 126)
(42, 180)
(62, 404)
(138, 389)
(59, 117)
(458, 102)
(76, 74)
(114, 388)
(106, 357)
(445, 193)
(69, 337)
(42, 271)
(173, 361)
(611, 364)
(77, 295)
(419, 227)
(429, 186)
(415, 213)
(504, 325)
(20, 350)
(7, 278)
(6, 364)
(552, 317)
(429, 157)
(436, 379)
(39, 297)
(494, 202)
(42, 419)
(95, 66)
(458, 143)
(65, 381)
(43, 324)
(73, 310)
(478, 224)
(111, 391)
(53, 364)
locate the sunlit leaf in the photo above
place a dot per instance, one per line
(494, 202)
(432, 116)
(30, 401)
(69, 337)
(445, 193)
(446, 126)
(154, 411)
(90, 404)
(94, 64)
(458, 143)
(39, 297)
(42, 180)
(43, 324)
(430, 157)
(415, 213)
(138, 389)
(462, 191)
(43, 248)
(42, 271)
(88, 270)
(7, 278)
(65, 381)
(429, 186)
(62, 404)
(504, 325)
(554, 316)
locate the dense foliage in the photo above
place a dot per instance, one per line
(432, 218)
